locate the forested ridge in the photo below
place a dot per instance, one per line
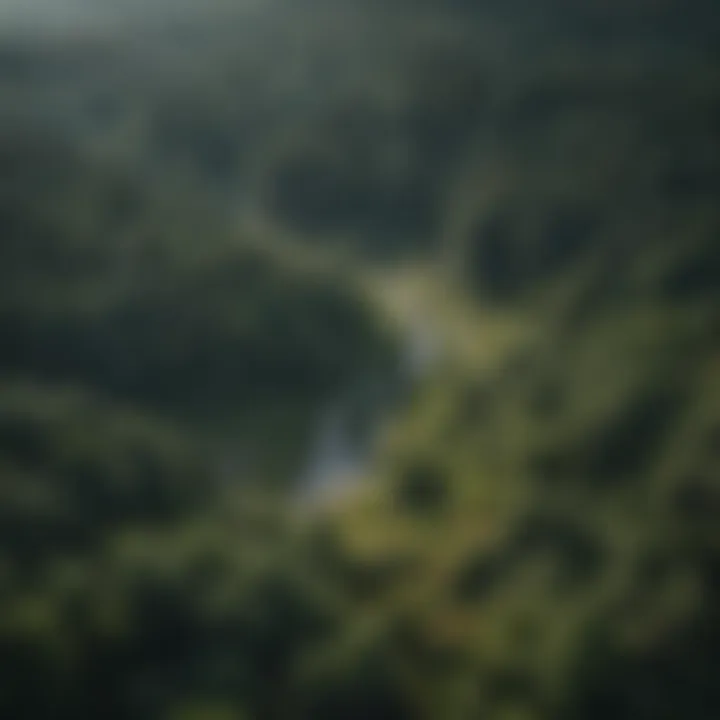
(215, 230)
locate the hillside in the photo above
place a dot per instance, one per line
(482, 234)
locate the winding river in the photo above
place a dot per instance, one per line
(351, 427)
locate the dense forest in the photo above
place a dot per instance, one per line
(360, 360)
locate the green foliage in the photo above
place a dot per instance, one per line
(540, 539)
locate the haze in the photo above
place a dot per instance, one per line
(72, 15)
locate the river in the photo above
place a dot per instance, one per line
(352, 426)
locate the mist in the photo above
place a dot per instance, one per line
(71, 16)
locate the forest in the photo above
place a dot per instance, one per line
(360, 360)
